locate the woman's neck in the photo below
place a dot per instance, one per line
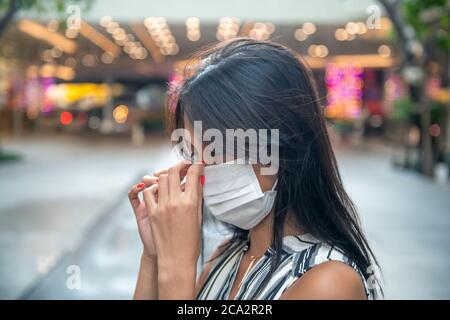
(261, 234)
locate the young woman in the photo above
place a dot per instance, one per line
(296, 231)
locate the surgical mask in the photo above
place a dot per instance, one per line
(232, 194)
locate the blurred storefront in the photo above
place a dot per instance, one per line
(89, 73)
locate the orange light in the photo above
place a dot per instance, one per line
(99, 39)
(120, 113)
(40, 32)
(66, 118)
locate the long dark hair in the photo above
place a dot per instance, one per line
(244, 83)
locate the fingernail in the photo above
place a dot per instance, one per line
(202, 179)
(140, 185)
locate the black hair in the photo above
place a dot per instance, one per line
(245, 83)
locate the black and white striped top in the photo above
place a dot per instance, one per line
(300, 253)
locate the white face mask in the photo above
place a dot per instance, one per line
(232, 194)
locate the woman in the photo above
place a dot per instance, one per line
(296, 232)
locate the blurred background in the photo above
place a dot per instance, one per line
(82, 93)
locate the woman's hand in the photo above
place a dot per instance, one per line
(175, 218)
(140, 211)
(142, 218)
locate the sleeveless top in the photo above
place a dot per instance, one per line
(299, 254)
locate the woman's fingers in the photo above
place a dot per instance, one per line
(133, 194)
(149, 180)
(150, 197)
(170, 185)
(163, 188)
(166, 171)
(194, 180)
(160, 172)
(175, 178)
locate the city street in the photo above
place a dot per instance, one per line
(65, 205)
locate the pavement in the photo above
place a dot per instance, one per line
(64, 213)
(50, 199)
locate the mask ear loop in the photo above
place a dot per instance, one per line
(275, 184)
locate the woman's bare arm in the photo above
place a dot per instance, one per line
(332, 280)
(147, 282)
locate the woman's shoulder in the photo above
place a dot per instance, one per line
(329, 280)
(317, 263)
(308, 252)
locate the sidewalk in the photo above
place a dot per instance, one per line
(407, 220)
(50, 199)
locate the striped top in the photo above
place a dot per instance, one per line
(299, 254)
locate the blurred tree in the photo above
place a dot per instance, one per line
(9, 8)
(402, 110)
(423, 31)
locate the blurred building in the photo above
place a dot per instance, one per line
(108, 72)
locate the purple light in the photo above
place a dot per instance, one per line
(344, 84)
